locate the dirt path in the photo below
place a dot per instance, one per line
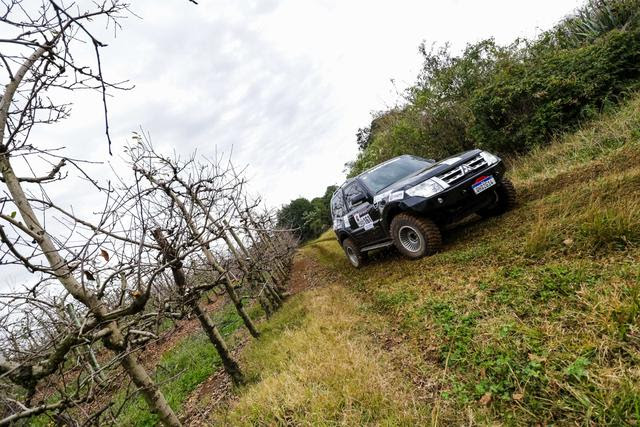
(217, 390)
(214, 392)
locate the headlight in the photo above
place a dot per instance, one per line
(489, 158)
(427, 188)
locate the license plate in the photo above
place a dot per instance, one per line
(483, 183)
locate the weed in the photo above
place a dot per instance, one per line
(180, 370)
(578, 369)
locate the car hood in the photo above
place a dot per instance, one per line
(433, 170)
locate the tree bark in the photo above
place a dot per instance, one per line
(170, 254)
(152, 395)
(233, 295)
(156, 401)
(228, 362)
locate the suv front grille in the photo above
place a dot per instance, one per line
(455, 174)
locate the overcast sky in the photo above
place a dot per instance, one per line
(284, 84)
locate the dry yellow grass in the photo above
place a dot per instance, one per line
(315, 365)
(527, 318)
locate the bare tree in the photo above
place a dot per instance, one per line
(97, 288)
(38, 59)
(190, 296)
(163, 173)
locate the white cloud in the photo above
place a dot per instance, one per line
(285, 84)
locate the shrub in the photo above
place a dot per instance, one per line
(513, 98)
(527, 102)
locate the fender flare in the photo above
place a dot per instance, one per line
(342, 235)
(389, 211)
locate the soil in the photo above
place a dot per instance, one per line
(217, 390)
(307, 273)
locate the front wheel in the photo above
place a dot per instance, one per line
(355, 257)
(414, 236)
(506, 193)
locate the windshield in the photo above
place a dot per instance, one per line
(387, 173)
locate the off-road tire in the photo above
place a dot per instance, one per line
(414, 236)
(507, 200)
(354, 256)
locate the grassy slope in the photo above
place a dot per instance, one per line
(525, 318)
(181, 369)
(315, 366)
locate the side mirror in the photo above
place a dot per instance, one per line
(358, 198)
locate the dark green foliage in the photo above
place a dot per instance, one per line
(595, 18)
(437, 111)
(292, 216)
(309, 218)
(525, 103)
(510, 99)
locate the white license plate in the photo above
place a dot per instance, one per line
(483, 184)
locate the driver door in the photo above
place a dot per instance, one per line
(364, 218)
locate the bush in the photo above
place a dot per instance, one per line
(527, 102)
(512, 98)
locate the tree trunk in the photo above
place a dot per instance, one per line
(60, 268)
(230, 365)
(154, 398)
(170, 254)
(233, 295)
(266, 305)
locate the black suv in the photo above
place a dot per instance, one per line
(406, 200)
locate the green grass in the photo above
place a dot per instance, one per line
(314, 365)
(182, 368)
(531, 317)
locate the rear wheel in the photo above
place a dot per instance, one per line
(355, 257)
(506, 193)
(415, 237)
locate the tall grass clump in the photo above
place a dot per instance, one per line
(614, 227)
(594, 19)
(313, 367)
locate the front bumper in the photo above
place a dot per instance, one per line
(458, 200)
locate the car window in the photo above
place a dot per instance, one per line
(350, 191)
(337, 205)
(394, 170)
